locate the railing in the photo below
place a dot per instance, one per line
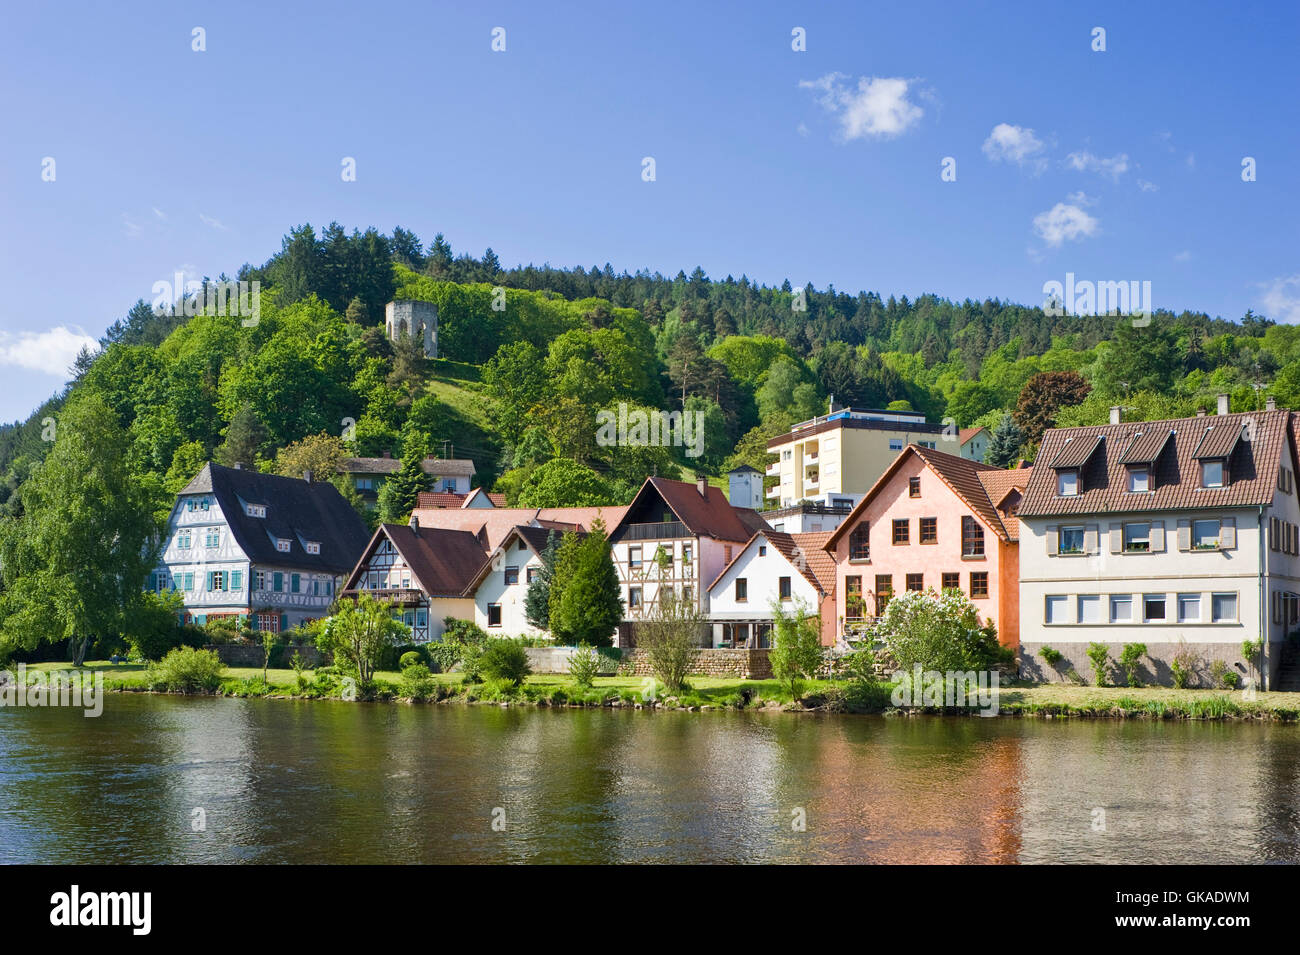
(659, 530)
(401, 595)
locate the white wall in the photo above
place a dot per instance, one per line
(762, 574)
(494, 590)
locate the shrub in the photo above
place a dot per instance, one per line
(152, 629)
(186, 670)
(1184, 666)
(796, 652)
(584, 665)
(671, 639)
(1130, 660)
(411, 658)
(504, 660)
(1053, 657)
(444, 655)
(1223, 676)
(937, 632)
(417, 682)
(1099, 656)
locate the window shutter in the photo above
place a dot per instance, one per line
(209, 580)
(1184, 535)
(1090, 545)
(1052, 530)
(1228, 533)
(1157, 537)
(1272, 533)
(1116, 538)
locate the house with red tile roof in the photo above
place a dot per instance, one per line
(677, 536)
(794, 570)
(1183, 535)
(972, 443)
(932, 520)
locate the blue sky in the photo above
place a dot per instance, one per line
(822, 165)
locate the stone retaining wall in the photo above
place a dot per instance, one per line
(737, 664)
(252, 655)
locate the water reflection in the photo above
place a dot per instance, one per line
(334, 782)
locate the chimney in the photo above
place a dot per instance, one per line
(306, 476)
(1224, 407)
(415, 524)
(702, 485)
(1200, 412)
(1270, 403)
(1115, 414)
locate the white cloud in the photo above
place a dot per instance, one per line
(1081, 198)
(159, 213)
(130, 227)
(1009, 143)
(1084, 161)
(51, 352)
(1183, 256)
(878, 108)
(1064, 223)
(214, 223)
(1281, 299)
(1147, 186)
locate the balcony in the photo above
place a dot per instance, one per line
(404, 597)
(659, 530)
(773, 469)
(774, 491)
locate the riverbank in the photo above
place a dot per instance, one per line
(721, 693)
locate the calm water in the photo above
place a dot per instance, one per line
(335, 782)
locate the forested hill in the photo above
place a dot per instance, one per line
(523, 373)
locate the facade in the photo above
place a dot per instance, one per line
(675, 536)
(932, 520)
(842, 452)
(974, 443)
(822, 513)
(745, 487)
(501, 586)
(1183, 535)
(413, 319)
(426, 571)
(269, 548)
(449, 475)
(793, 569)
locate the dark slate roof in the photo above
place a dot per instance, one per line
(1252, 465)
(444, 562)
(744, 469)
(442, 467)
(295, 510)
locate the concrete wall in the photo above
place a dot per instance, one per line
(1153, 670)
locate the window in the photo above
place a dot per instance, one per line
(926, 444)
(900, 531)
(523, 545)
(530, 574)
(494, 615)
(421, 618)
(634, 556)
(634, 597)
(1205, 535)
(512, 575)
(259, 580)
(216, 580)
(1212, 473)
(915, 582)
(929, 530)
(1089, 606)
(1137, 538)
(255, 510)
(1067, 483)
(860, 542)
(686, 553)
(979, 584)
(212, 537)
(1189, 608)
(282, 545)
(1223, 608)
(1139, 480)
(951, 581)
(853, 605)
(895, 444)
(884, 590)
(1153, 608)
(762, 550)
(972, 537)
(236, 580)
(914, 487)
(783, 587)
(312, 547)
(183, 540)
(295, 583)
(1069, 540)
(189, 581)
(277, 582)
(1056, 606)
(1121, 608)
(742, 589)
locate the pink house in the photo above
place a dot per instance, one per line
(933, 520)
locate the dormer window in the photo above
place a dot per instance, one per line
(1067, 483)
(312, 547)
(1212, 473)
(1139, 479)
(282, 545)
(255, 510)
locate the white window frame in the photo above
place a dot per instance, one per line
(1190, 597)
(1236, 601)
(1120, 599)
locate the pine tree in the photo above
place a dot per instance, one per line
(1005, 442)
(589, 607)
(401, 492)
(537, 602)
(244, 438)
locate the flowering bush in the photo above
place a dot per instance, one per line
(937, 632)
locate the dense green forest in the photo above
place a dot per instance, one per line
(523, 373)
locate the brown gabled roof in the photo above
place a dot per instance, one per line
(980, 486)
(1001, 484)
(965, 434)
(496, 522)
(443, 562)
(535, 537)
(817, 566)
(439, 499)
(1252, 465)
(708, 515)
(1146, 446)
(1074, 452)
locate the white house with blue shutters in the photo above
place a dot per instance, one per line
(268, 548)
